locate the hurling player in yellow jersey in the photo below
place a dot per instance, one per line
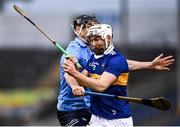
(159, 63)
(106, 72)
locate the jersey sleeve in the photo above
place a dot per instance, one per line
(117, 65)
(73, 50)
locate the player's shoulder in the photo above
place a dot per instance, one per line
(78, 42)
(116, 57)
(73, 45)
(116, 54)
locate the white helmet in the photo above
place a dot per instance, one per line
(102, 30)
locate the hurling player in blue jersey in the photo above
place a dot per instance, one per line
(75, 110)
(107, 72)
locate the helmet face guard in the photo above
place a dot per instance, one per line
(84, 21)
(103, 31)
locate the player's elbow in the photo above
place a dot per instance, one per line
(101, 88)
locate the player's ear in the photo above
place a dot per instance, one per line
(77, 29)
(109, 39)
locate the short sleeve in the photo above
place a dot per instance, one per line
(73, 50)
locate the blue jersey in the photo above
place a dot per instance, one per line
(116, 64)
(66, 100)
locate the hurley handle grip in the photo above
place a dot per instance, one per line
(66, 54)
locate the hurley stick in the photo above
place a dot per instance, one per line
(58, 46)
(160, 103)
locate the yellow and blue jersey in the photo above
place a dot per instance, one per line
(116, 64)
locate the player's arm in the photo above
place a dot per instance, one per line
(76, 88)
(158, 63)
(98, 85)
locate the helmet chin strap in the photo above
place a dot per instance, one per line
(78, 33)
(106, 43)
(109, 49)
